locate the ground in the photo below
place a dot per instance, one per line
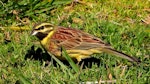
(123, 24)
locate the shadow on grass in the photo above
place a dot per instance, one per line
(38, 54)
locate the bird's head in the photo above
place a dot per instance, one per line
(41, 30)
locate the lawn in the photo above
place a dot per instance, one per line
(123, 24)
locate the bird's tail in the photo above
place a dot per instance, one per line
(120, 54)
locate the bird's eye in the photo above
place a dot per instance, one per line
(42, 27)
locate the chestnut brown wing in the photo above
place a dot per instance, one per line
(71, 38)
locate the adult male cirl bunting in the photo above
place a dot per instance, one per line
(78, 44)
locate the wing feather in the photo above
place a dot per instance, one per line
(76, 39)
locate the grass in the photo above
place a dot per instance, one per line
(117, 22)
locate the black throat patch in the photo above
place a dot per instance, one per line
(41, 36)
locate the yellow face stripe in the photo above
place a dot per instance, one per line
(47, 38)
(42, 24)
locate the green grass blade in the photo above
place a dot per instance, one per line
(21, 77)
(71, 62)
(61, 64)
(58, 61)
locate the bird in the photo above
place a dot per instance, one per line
(77, 43)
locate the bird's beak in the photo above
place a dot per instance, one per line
(34, 33)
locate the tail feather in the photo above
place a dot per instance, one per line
(120, 54)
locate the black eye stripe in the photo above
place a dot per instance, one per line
(42, 27)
